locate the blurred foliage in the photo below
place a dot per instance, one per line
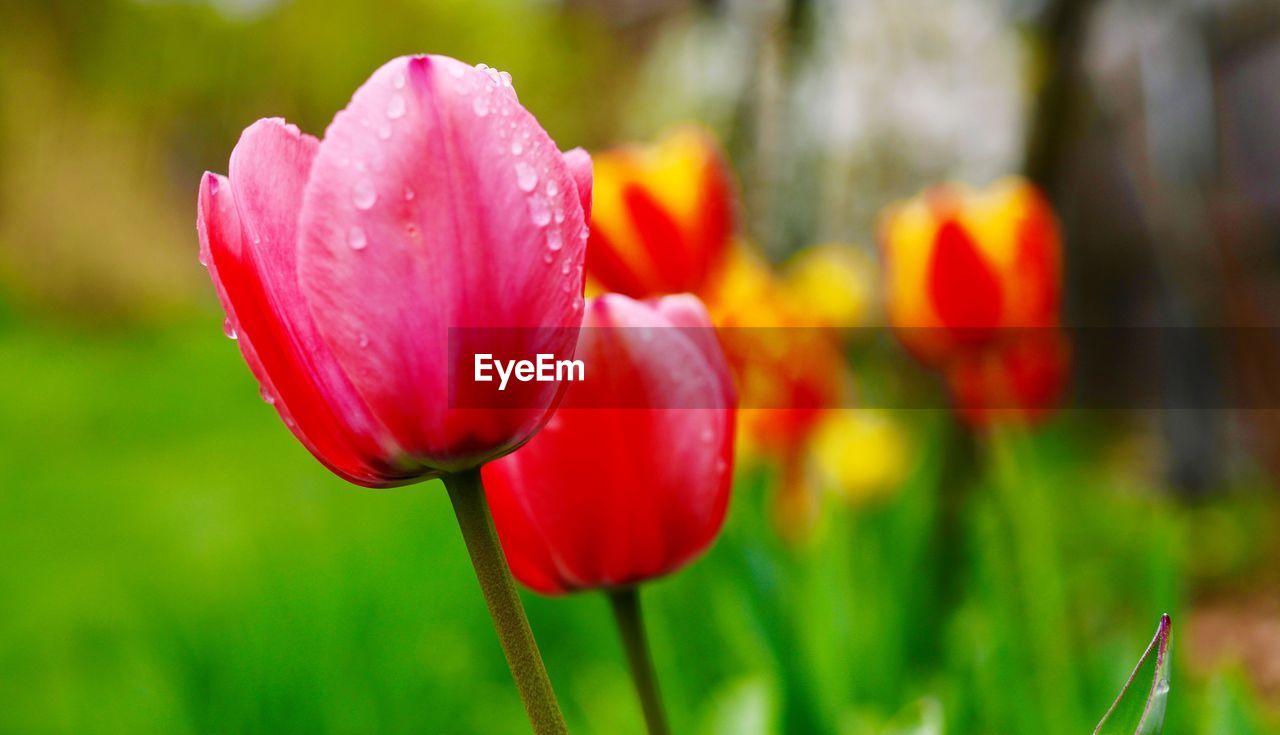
(177, 563)
(117, 106)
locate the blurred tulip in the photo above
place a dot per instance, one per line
(974, 289)
(788, 371)
(790, 374)
(860, 455)
(434, 201)
(663, 215)
(962, 265)
(605, 497)
(831, 285)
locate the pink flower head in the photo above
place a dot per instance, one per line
(434, 203)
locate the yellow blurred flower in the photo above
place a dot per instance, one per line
(860, 455)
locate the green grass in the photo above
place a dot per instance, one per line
(172, 561)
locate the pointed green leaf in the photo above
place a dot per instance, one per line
(1139, 710)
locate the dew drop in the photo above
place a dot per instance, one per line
(552, 187)
(548, 258)
(408, 194)
(505, 78)
(708, 435)
(480, 105)
(577, 303)
(539, 213)
(555, 240)
(559, 215)
(356, 238)
(398, 80)
(364, 341)
(395, 108)
(363, 195)
(384, 132)
(566, 266)
(517, 147)
(202, 259)
(526, 177)
(267, 398)
(229, 329)
(456, 71)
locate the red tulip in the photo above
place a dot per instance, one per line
(434, 201)
(609, 494)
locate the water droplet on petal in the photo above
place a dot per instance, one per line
(408, 194)
(516, 148)
(555, 240)
(229, 329)
(526, 177)
(398, 80)
(548, 258)
(577, 303)
(384, 131)
(395, 108)
(202, 259)
(539, 213)
(267, 398)
(455, 71)
(552, 187)
(364, 341)
(566, 266)
(708, 435)
(505, 77)
(559, 215)
(480, 105)
(356, 238)
(363, 194)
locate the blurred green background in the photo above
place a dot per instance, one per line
(171, 560)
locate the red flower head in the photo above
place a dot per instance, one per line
(630, 479)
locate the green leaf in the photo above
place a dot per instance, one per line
(1139, 710)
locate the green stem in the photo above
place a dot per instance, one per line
(626, 611)
(467, 494)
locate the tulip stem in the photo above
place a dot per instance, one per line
(469, 504)
(626, 611)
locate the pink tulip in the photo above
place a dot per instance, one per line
(630, 479)
(435, 201)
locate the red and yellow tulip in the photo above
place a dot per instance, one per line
(663, 216)
(973, 288)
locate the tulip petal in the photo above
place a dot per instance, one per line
(437, 202)
(611, 495)
(247, 226)
(579, 163)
